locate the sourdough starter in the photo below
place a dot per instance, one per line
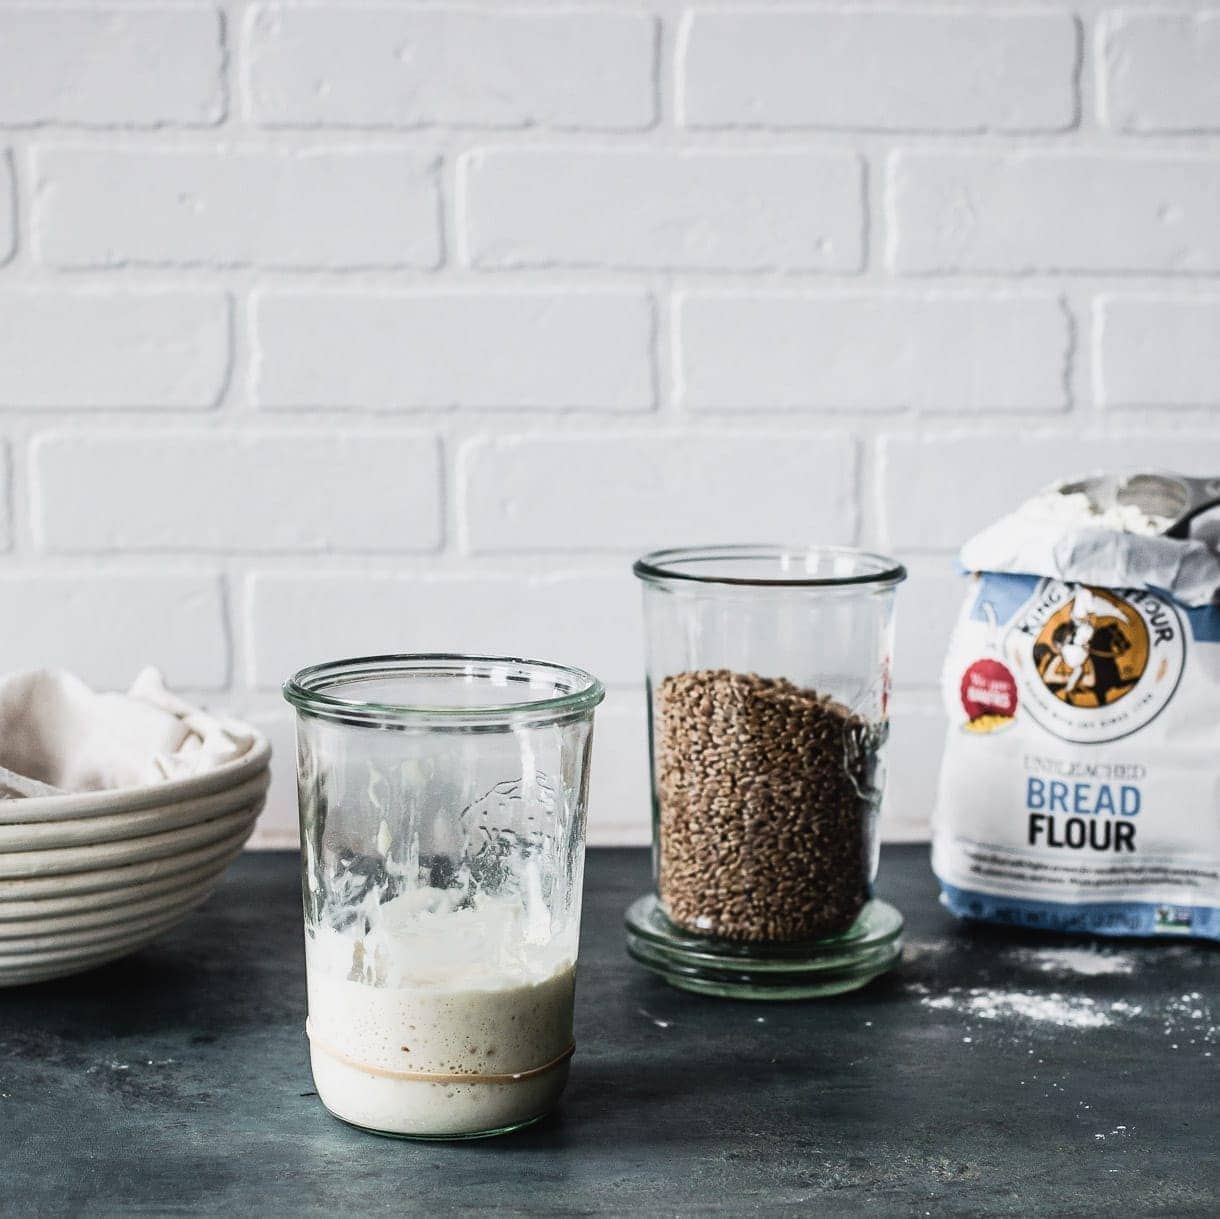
(433, 989)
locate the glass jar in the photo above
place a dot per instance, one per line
(768, 674)
(442, 803)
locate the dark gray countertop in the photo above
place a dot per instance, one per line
(993, 1073)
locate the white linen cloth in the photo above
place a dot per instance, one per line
(57, 735)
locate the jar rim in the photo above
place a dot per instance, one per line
(307, 689)
(870, 568)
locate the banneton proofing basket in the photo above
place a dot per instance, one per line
(73, 805)
(91, 876)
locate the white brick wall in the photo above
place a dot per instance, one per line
(112, 66)
(640, 491)
(235, 491)
(662, 209)
(97, 622)
(127, 205)
(1037, 210)
(924, 70)
(361, 66)
(1162, 70)
(8, 210)
(1157, 351)
(101, 347)
(335, 327)
(589, 615)
(928, 351)
(475, 348)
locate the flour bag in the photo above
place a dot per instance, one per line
(1080, 784)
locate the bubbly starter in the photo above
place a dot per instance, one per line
(419, 1024)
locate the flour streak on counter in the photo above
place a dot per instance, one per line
(1069, 962)
(1063, 1011)
(1186, 1020)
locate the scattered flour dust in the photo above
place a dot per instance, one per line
(1186, 1020)
(1063, 1011)
(661, 1024)
(1078, 962)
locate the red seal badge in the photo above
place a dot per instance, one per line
(989, 689)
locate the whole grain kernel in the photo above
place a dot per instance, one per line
(766, 795)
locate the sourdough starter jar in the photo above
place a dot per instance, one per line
(768, 672)
(442, 803)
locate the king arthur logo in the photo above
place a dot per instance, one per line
(1095, 664)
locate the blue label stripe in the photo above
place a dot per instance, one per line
(1165, 920)
(1006, 594)
(1204, 623)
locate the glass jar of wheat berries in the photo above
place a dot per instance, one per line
(768, 673)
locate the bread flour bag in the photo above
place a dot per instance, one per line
(1080, 784)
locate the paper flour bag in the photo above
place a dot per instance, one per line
(1080, 785)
